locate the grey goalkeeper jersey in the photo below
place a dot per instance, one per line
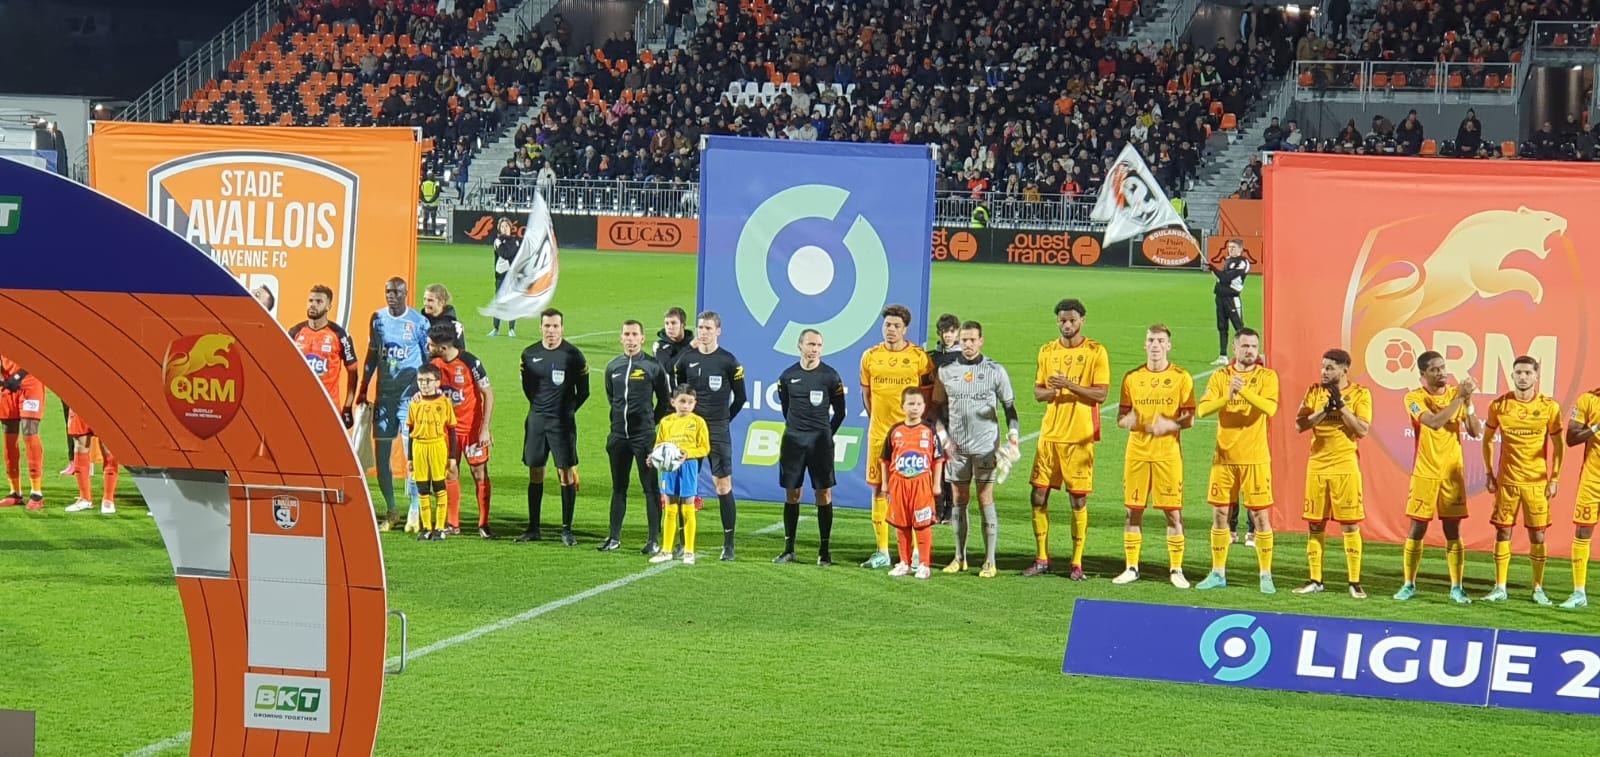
(975, 392)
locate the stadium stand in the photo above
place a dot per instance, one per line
(378, 63)
(1021, 98)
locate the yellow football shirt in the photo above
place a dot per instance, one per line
(1241, 426)
(430, 418)
(886, 373)
(1167, 393)
(1438, 449)
(1525, 429)
(1333, 445)
(1068, 417)
(1587, 413)
(688, 432)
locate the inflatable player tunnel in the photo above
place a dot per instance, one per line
(252, 482)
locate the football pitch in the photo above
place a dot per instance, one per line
(544, 649)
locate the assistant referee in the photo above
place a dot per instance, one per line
(811, 395)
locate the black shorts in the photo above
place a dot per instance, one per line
(542, 440)
(802, 454)
(721, 457)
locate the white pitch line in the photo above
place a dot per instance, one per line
(462, 638)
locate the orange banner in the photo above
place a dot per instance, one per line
(639, 234)
(1390, 257)
(281, 208)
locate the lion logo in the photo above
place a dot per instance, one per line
(1470, 262)
(203, 380)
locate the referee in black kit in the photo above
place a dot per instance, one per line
(1228, 290)
(636, 389)
(812, 397)
(555, 379)
(718, 382)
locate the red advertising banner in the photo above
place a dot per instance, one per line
(1390, 257)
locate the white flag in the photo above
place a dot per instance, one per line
(1131, 202)
(530, 284)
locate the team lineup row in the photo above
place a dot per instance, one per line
(934, 423)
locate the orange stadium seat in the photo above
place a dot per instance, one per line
(1430, 148)
(1229, 122)
(1492, 81)
(1380, 80)
(1508, 148)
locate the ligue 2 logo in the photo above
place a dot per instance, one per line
(812, 268)
(1234, 648)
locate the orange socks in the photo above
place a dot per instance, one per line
(35, 462)
(483, 502)
(80, 470)
(452, 489)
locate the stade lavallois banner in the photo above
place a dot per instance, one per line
(1483, 667)
(277, 206)
(1480, 260)
(797, 235)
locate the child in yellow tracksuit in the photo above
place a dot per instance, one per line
(678, 487)
(432, 424)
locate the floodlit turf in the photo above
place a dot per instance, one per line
(750, 657)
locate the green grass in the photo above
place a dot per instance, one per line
(747, 657)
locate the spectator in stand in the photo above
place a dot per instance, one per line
(1409, 135)
(1272, 136)
(1292, 137)
(1469, 135)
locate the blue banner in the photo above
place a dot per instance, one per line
(1414, 661)
(797, 235)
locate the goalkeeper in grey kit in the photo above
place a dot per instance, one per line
(812, 397)
(973, 390)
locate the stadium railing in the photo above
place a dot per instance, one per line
(1413, 82)
(529, 13)
(676, 199)
(212, 58)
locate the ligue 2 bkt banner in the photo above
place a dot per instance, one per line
(281, 208)
(1481, 261)
(797, 235)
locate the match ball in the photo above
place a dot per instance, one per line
(1398, 356)
(666, 456)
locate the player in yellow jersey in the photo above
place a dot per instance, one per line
(1073, 378)
(1338, 414)
(1438, 414)
(1156, 404)
(1529, 426)
(431, 421)
(887, 369)
(1244, 395)
(1584, 429)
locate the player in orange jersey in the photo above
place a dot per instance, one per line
(1529, 429)
(328, 350)
(21, 408)
(82, 439)
(912, 462)
(466, 383)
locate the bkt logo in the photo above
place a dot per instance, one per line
(764, 440)
(288, 698)
(811, 269)
(1245, 649)
(10, 214)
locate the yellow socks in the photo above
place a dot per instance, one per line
(1352, 555)
(426, 512)
(1502, 562)
(1315, 543)
(1536, 553)
(1080, 532)
(1041, 532)
(880, 521)
(1220, 539)
(1455, 556)
(1411, 560)
(1580, 564)
(669, 527)
(1131, 543)
(1264, 552)
(1175, 552)
(689, 517)
(440, 502)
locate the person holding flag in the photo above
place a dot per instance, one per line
(529, 282)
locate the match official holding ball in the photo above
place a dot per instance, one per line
(812, 397)
(636, 386)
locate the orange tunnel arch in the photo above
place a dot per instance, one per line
(97, 301)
